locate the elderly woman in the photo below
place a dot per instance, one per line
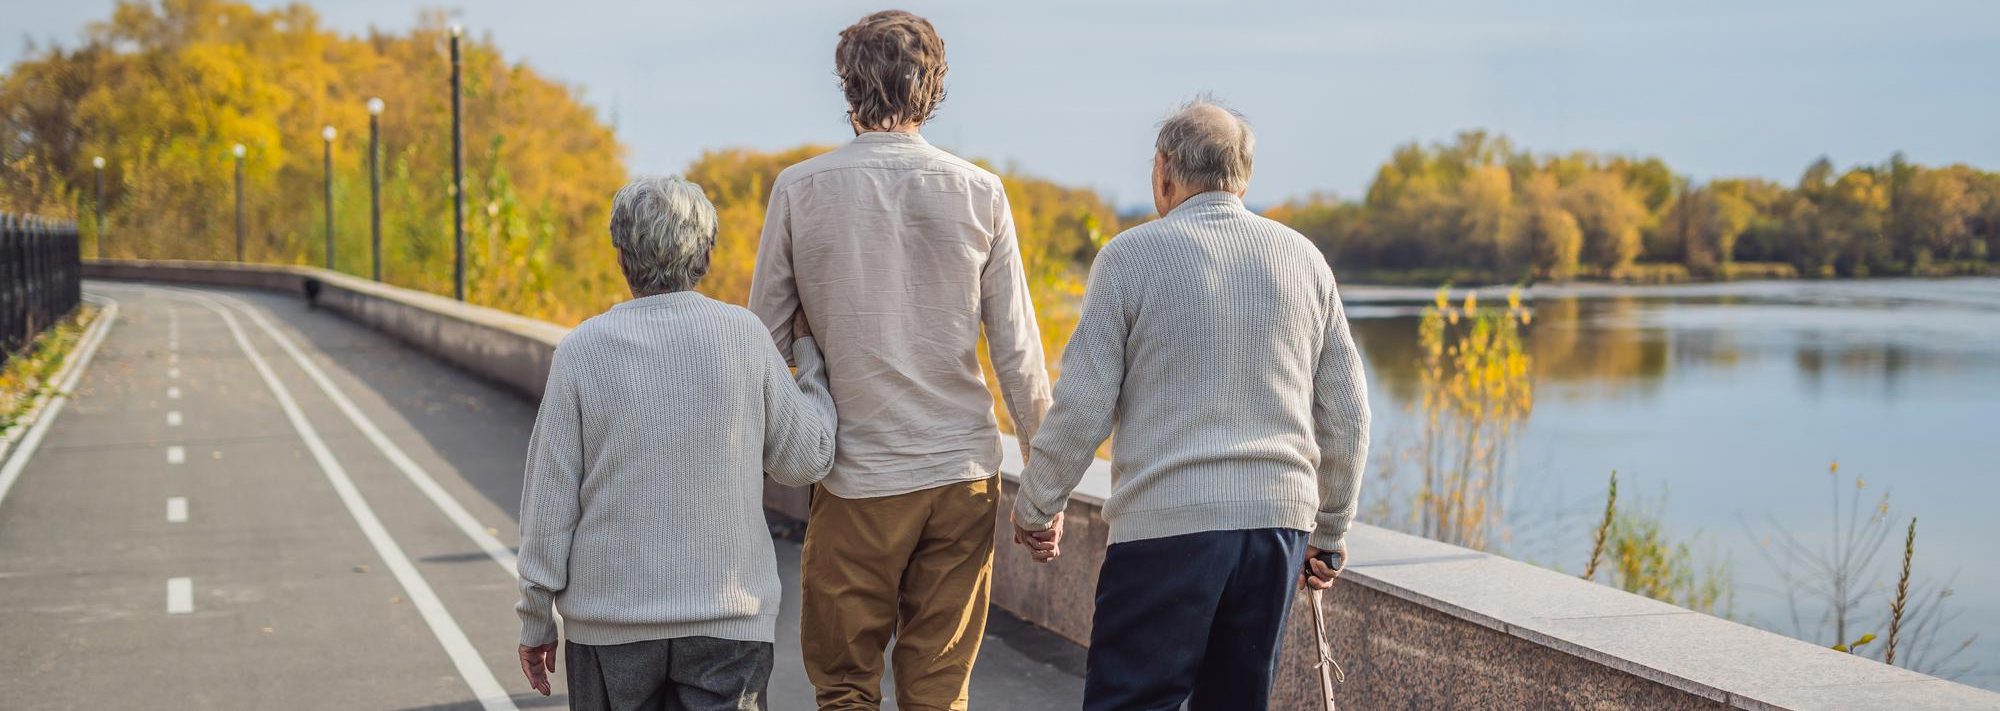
(641, 514)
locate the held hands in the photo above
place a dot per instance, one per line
(1043, 546)
(1317, 575)
(537, 663)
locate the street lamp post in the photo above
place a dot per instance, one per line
(375, 184)
(328, 133)
(98, 206)
(238, 152)
(457, 175)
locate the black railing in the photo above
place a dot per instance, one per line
(41, 278)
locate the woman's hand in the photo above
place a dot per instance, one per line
(537, 663)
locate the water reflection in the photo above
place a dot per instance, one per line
(1571, 339)
(1726, 402)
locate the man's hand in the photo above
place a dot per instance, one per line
(1043, 546)
(1316, 575)
(800, 327)
(537, 663)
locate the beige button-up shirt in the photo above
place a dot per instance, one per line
(899, 252)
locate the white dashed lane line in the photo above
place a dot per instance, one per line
(173, 418)
(176, 454)
(180, 596)
(173, 392)
(177, 509)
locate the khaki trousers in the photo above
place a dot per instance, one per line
(917, 567)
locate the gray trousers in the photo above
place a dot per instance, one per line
(684, 673)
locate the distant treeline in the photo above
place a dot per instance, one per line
(1479, 209)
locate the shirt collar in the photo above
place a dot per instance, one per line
(1212, 197)
(891, 137)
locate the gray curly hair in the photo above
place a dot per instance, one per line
(664, 229)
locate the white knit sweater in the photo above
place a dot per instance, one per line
(642, 513)
(1214, 340)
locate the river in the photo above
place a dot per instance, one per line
(1722, 405)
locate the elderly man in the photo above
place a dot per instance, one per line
(1214, 342)
(642, 514)
(900, 253)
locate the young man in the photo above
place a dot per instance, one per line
(1214, 341)
(899, 253)
(642, 513)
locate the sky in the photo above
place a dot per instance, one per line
(1071, 90)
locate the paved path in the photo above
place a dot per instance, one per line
(249, 505)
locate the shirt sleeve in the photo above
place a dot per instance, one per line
(1340, 426)
(799, 418)
(1086, 402)
(1013, 340)
(550, 503)
(774, 293)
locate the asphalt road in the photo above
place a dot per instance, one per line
(250, 505)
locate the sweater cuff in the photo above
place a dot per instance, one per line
(804, 354)
(1027, 516)
(1327, 539)
(535, 633)
(538, 622)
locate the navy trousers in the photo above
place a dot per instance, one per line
(1193, 618)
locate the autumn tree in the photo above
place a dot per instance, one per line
(163, 90)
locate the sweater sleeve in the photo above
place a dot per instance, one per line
(799, 418)
(1340, 426)
(1086, 402)
(550, 503)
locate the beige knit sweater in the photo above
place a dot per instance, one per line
(1214, 341)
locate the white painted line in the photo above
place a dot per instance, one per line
(176, 454)
(174, 373)
(173, 418)
(471, 666)
(177, 509)
(10, 470)
(443, 500)
(173, 358)
(180, 596)
(173, 392)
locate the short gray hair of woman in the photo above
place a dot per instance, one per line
(664, 229)
(1207, 146)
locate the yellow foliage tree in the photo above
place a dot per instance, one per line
(164, 90)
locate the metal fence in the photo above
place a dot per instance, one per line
(41, 278)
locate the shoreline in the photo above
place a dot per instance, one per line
(1382, 293)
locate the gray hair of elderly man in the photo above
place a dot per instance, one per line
(1207, 146)
(664, 229)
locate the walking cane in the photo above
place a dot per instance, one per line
(1329, 670)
